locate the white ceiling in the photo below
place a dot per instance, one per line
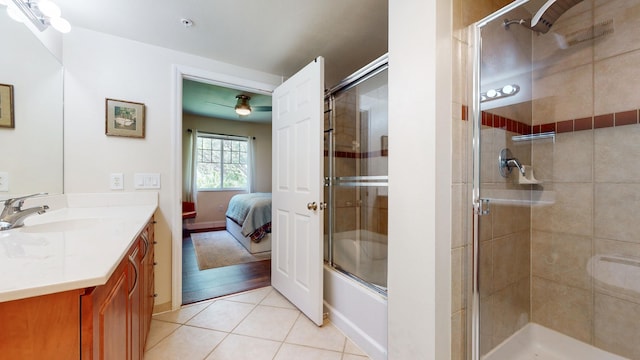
(274, 36)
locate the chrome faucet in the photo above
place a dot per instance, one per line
(13, 214)
(506, 162)
(515, 163)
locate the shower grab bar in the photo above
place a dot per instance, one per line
(362, 184)
(545, 135)
(362, 178)
(361, 181)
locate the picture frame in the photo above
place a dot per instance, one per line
(7, 117)
(124, 118)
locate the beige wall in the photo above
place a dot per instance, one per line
(212, 205)
(93, 72)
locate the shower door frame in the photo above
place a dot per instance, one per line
(479, 204)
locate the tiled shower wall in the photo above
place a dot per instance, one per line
(587, 243)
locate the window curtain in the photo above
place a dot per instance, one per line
(191, 188)
(251, 154)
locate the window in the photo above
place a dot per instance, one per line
(223, 162)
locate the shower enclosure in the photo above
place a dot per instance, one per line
(356, 186)
(555, 269)
(355, 234)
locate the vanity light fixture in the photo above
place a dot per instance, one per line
(505, 91)
(242, 107)
(42, 13)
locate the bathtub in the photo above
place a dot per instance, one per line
(358, 311)
(362, 253)
(538, 342)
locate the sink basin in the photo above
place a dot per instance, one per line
(61, 226)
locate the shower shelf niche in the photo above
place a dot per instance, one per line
(528, 178)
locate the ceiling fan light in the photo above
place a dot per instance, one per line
(242, 106)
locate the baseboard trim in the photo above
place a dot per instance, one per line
(160, 308)
(206, 226)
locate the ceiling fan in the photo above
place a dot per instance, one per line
(242, 106)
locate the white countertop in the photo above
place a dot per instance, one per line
(76, 244)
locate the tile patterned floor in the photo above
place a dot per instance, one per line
(256, 325)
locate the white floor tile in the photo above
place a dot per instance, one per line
(272, 330)
(222, 315)
(276, 299)
(251, 297)
(239, 347)
(159, 330)
(183, 314)
(354, 357)
(305, 332)
(351, 348)
(186, 343)
(297, 352)
(268, 322)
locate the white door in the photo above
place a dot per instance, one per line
(296, 250)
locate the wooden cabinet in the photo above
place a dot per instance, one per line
(116, 316)
(108, 322)
(41, 327)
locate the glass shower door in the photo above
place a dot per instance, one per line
(356, 146)
(502, 119)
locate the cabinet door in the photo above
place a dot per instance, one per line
(108, 311)
(41, 327)
(113, 321)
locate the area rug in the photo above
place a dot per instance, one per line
(219, 248)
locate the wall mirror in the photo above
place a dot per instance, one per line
(31, 151)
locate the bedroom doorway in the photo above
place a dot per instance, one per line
(215, 263)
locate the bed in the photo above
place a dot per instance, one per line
(248, 219)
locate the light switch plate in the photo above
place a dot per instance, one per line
(116, 181)
(146, 180)
(4, 181)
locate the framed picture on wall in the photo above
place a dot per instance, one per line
(124, 118)
(6, 106)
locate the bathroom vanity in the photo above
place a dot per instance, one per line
(77, 281)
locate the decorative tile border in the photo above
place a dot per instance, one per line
(596, 122)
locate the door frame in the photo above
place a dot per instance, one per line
(181, 72)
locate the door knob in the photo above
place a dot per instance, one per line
(312, 206)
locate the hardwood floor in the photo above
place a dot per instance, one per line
(200, 285)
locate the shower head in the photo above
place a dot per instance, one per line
(549, 13)
(544, 18)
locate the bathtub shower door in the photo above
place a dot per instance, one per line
(359, 181)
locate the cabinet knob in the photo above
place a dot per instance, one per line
(155, 263)
(155, 295)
